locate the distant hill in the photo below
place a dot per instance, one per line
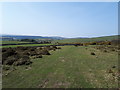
(28, 37)
(72, 40)
(6, 38)
(59, 39)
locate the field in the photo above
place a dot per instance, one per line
(109, 38)
(69, 67)
(13, 42)
(24, 45)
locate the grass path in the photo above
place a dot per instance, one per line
(70, 67)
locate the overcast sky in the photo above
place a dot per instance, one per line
(67, 19)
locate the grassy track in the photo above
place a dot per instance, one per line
(70, 67)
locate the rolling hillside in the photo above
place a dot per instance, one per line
(72, 40)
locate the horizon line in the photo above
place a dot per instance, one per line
(61, 36)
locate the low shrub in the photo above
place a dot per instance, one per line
(45, 52)
(21, 55)
(23, 60)
(10, 60)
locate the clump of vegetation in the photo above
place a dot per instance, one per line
(10, 60)
(87, 43)
(108, 48)
(115, 42)
(36, 56)
(22, 55)
(24, 60)
(45, 52)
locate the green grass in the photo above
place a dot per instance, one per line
(24, 45)
(70, 67)
(12, 42)
(109, 38)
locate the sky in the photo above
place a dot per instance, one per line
(65, 19)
